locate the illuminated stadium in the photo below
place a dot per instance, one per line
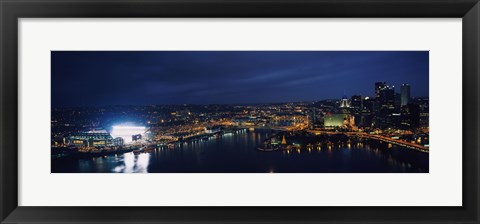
(128, 133)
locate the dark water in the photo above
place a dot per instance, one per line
(237, 154)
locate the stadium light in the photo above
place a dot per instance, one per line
(126, 132)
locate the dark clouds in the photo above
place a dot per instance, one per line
(96, 78)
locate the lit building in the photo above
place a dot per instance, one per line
(366, 113)
(94, 138)
(410, 116)
(384, 106)
(289, 120)
(351, 122)
(378, 87)
(424, 111)
(386, 99)
(244, 121)
(345, 103)
(404, 94)
(117, 141)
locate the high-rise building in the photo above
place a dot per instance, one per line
(366, 112)
(378, 87)
(367, 105)
(356, 101)
(404, 94)
(410, 116)
(384, 105)
(386, 99)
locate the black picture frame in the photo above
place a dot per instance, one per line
(12, 10)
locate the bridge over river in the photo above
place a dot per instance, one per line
(398, 142)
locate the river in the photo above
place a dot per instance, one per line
(236, 153)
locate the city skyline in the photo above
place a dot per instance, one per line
(240, 112)
(112, 79)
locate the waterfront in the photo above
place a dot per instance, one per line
(236, 153)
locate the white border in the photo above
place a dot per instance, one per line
(441, 187)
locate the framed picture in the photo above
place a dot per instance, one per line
(247, 112)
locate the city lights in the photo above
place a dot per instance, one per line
(236, 122)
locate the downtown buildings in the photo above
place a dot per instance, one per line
(386, 110)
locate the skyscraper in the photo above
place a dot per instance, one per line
(405, 94)
(366, 113)
(410, 116)
(386, 98)
(378, 87)
(384, 105)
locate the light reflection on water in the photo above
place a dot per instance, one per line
(133, 163)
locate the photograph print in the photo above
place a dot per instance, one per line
(239, 112)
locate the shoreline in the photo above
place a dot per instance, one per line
(296, 141)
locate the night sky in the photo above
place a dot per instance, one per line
(104, 78)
